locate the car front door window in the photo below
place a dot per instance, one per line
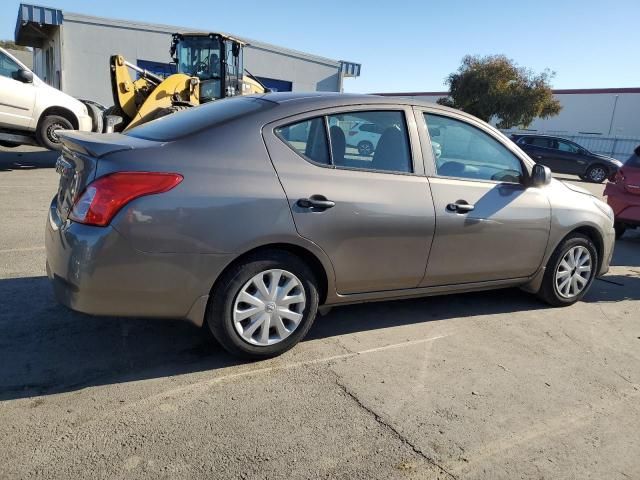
(8, 68)
(468, 152)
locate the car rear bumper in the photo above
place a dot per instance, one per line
(95, 270)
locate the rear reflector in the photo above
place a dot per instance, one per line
(103, 198)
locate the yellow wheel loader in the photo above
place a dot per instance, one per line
(209, 67)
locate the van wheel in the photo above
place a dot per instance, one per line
(570, 271)
(263, 306)
(46, 132)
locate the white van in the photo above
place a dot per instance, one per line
(32, 111)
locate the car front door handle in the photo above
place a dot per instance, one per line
(460, 206)
(318, 202)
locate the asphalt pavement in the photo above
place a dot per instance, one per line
(474, 386)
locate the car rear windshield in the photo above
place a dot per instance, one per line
(193, 120)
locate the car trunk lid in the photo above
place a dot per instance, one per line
(78, 162)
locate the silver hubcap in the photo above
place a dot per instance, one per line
(598, 174)
(269, 307)
(573, 272)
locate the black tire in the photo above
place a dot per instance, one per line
(45, 133)
(548, 291)
(620, 228)
(365, 147)
(8, 144)
(596, 173)
(219, 317)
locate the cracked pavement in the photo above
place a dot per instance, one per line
(475, 386)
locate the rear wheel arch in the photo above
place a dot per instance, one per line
(304, 254)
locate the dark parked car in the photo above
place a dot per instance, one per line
(564, 156)
(246, 214)
(623, 194)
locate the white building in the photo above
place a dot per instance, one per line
(604, 120)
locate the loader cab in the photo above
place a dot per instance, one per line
(214, 58)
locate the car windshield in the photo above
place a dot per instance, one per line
(196, 119)
(199, 57)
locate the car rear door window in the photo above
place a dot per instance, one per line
(466, 151)
(540, 142)
(564, 146)
(387, 133)
(308, 138)
(333, 140)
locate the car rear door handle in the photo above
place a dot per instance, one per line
(461, 206)
(318, 202)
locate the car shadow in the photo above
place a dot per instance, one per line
(47, 349)
(18, 159)
(627, 250)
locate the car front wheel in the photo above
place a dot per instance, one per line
(570, 271)
(263, 306)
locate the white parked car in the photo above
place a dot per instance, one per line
(32, 110)
(364, 136)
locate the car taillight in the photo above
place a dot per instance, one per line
(103, 198)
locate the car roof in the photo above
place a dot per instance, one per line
(333, 99)
(541, 135)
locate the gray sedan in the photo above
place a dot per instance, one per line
(246, 215)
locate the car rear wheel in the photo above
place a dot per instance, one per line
(365, 147)
(620, 228)
(596, 174)
(47, 135)
(570, 271)
(263, 306)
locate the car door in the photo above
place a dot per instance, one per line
(372, 215)
(489, 224)
(541, 150)
(16, 98)
(569, 157)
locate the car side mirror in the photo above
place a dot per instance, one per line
(24, 76)
(540, 175)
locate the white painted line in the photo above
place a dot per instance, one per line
(25, 249)
(322, 360)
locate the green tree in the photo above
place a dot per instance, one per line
(11, 45)
(496, 87)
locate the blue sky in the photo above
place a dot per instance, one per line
(412, 45)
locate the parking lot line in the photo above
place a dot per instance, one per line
(323, 360)
(24, 249)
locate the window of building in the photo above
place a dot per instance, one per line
(468, 152)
